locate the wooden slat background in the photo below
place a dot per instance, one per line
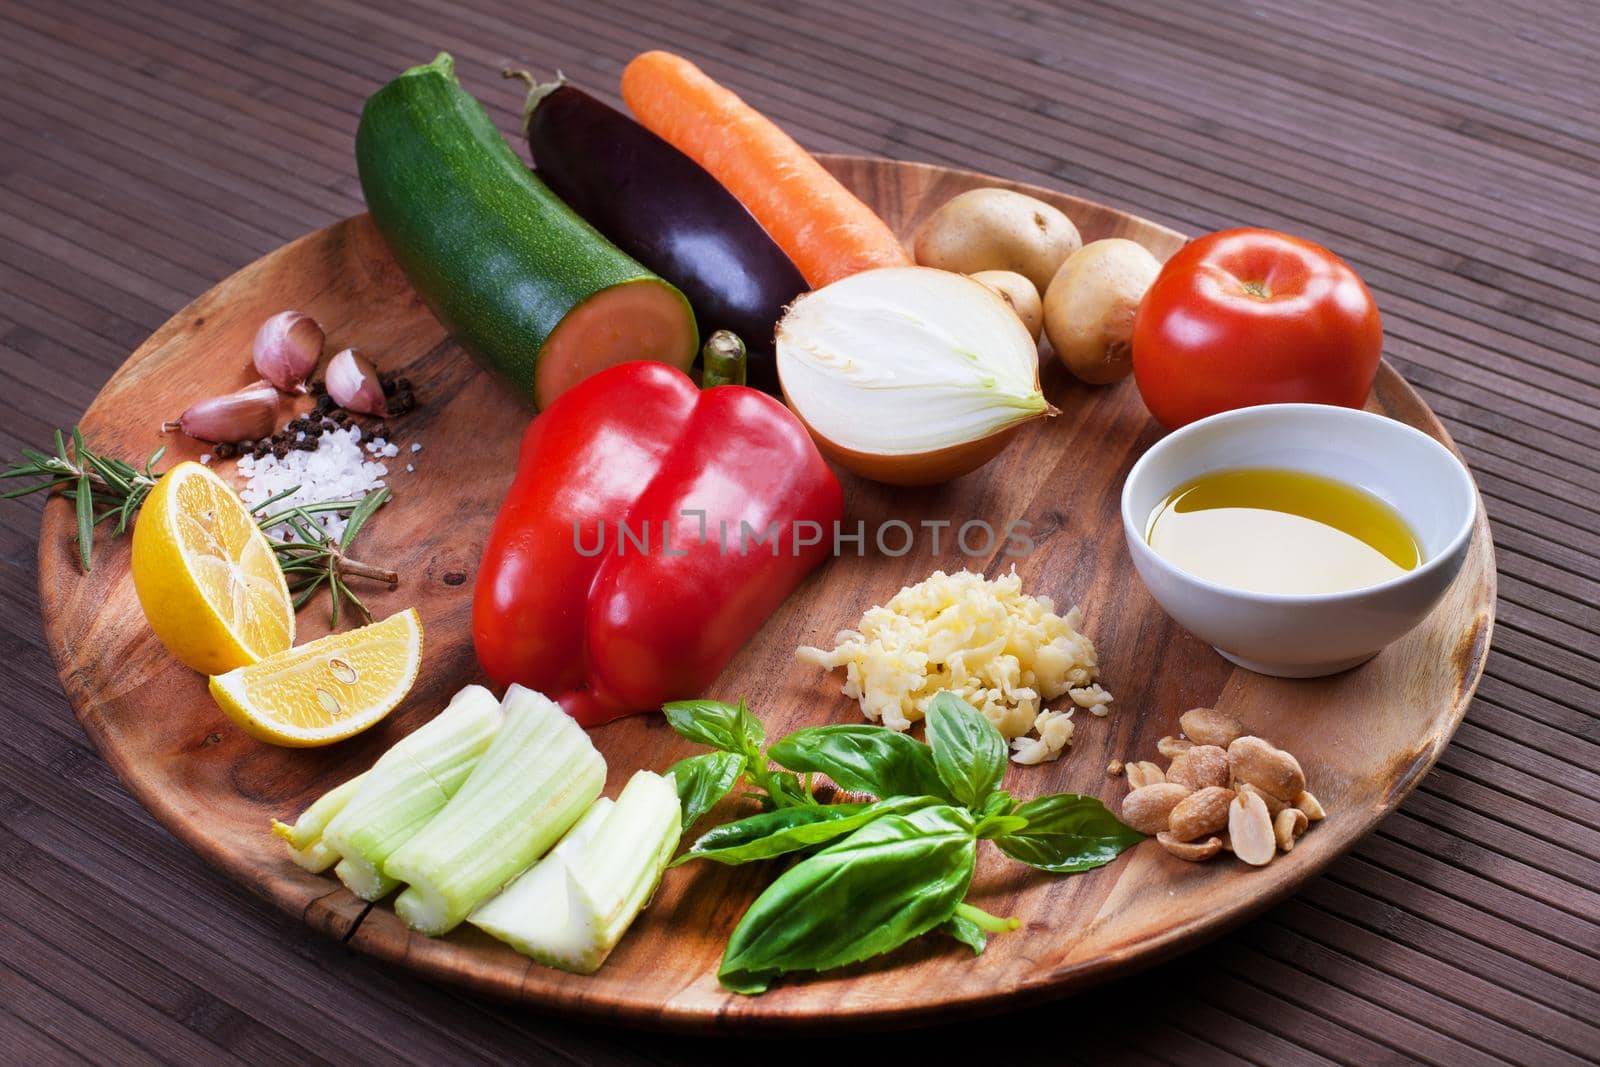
(1450, 149)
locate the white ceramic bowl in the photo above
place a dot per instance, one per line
(1304, 636)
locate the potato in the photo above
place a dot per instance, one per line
(1019, 292)
(997, 229)
(1090, 304)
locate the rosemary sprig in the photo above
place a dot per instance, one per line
(314, 559)
(101, 488)
(106, 489)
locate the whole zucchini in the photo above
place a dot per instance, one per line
(520, 280)
(667, 211)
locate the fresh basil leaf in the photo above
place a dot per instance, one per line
(751, 731)
(968, 751)
(897, 877)
(784, 790)
(774, 833)
(767, 833)
(1067, 833)
(721, 725)
(967, 932)
(863, 759)
(703, 781)
(998, 803)
(1000, 825)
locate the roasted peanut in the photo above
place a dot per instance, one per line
(1200, 813)
(1143, 773)
(1193, 851)
(1274, 805)
(1173, 747)
(1250, 830)
(1208, 726)
(1290, 824)
(1114, 768)
(1311, 806)
(1272, 769)
(1200, 767)
(1147, 809)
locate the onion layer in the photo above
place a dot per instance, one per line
(908, 375)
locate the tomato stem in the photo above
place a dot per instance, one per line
(1257, 289)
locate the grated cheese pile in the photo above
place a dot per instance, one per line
(1001, 650)
(335, 470)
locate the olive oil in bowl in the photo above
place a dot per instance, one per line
(1269, 530)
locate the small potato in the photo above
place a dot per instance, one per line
(1090, 304)
(997, 229)
(1019, 292)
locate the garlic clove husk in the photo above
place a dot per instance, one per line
(909, 375)
(287, 348)
(352, 382)
(247, 414)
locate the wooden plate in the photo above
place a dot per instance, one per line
(1365, 737)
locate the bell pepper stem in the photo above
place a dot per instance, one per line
(725, 359)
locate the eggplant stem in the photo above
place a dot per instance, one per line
(537, 91)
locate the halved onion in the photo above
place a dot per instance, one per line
(908, 375)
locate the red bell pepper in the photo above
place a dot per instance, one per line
(601, 585)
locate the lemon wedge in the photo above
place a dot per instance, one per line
(328, 689)
(206, 575)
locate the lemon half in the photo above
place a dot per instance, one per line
(328, 689)
(206, 575)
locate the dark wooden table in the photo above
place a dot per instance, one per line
(1450, 150)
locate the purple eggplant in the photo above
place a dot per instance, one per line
(669, 213)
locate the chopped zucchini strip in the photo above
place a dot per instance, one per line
(538, 777)
(573, 908)
(408, 786)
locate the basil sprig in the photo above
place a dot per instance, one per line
(704, 780)
(736, 736)
(864, 759)
(784, 830)
(895, 878)
(967, 749)
(873, 875)
(1066, 833)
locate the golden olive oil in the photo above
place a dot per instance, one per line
(1281, 531)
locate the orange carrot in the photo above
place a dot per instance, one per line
(824, 228)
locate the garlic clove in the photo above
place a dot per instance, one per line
(247, 414)
(287, 348)
(352, 382)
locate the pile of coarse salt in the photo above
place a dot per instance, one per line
(336, 469)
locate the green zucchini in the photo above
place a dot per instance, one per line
(515, 275)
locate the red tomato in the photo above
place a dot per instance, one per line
(1245, 317)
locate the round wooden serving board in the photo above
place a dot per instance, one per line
(1365, 737)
